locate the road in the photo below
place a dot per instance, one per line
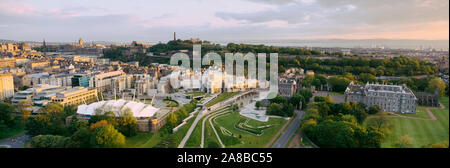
(16, 142)
(290, 131)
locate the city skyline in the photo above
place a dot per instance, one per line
(223, 20)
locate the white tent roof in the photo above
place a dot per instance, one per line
(137, 108)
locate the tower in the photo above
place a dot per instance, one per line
(44, 47)
(80, 42)
(174, 36)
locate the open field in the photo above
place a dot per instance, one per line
(246, 139)
(420, 113)
(222, 97)
(423, 132)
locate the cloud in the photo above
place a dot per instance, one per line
(223, 19)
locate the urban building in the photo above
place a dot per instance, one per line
(149, 118)
(76, 96)
(106, 81)
(7, 63)
(391, 98)
(6, 86)
(287, 88)
(84, 80)
(428, 99)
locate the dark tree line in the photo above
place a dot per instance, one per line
(398, 66)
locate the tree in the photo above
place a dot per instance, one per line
(307, 94)
(274, 109)
(25, 107)
(50, 121)
(278, 99)
(69, 110)
(234, 107)
(404, 142)
(287, 110)
(50, 141)
(308, 81)
(436, 83)
(339, 84)
(366, 77)
(327, 99)
(109, 116)
(296, 100)
(374, 109)
(127, 123)
(7, 114)
(75, 125)
(381, 123)
(172, 119)
(94, 126)
(107, 137)
(258, 105)
(81, 138)
(359, 111)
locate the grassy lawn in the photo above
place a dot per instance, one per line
(420, 113)
(12, 132)
(196, 137)
(171, 103)
(222, 97)
(210, 136)
(139, 140)
(423, 132)
(248, 140)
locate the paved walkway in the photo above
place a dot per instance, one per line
(15, 142)
(290, 131)
(294, 143)
(278, 133)
(191, 129)
(214, 129)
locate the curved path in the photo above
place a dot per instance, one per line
(208, 117)
(15, 142)
(214, 129)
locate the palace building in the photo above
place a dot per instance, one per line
(391, 98)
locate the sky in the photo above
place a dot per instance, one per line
(156, 20)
